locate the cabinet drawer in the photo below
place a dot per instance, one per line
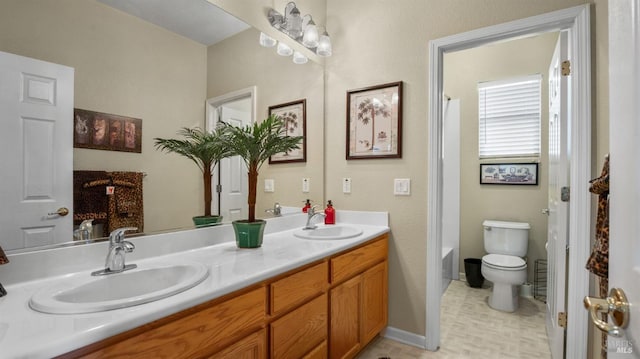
(298, 287)
(300, 331)
(206, 331)
(253, 346)
(319, 352)
(349, 264)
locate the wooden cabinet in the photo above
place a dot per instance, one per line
(253, 346)
(358, 305)
(300, 331)
(328, 309)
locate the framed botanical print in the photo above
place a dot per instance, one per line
(374, 122)
(294, 115)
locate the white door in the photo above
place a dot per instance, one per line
(558, 210)
(36, 152)
(233, 172)
(624, 182)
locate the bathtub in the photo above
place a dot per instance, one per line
(447, 267)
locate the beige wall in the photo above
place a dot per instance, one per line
(128, 67)
(463, 70)
(240, 62)
(382, 41)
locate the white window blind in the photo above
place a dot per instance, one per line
(510, 116)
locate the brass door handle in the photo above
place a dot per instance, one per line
(62, 211)
(616, 305)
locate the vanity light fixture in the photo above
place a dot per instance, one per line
(301, 29)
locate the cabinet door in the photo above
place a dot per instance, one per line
(253, 346)
(300, 331)
(345, 319)
(374, 301)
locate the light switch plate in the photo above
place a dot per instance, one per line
(269, 185)
(346, 185)
(306, 183)
(402, 186)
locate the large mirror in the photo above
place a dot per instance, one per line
(127, 66)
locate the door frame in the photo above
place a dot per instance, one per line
(211, 107)
(576, 21)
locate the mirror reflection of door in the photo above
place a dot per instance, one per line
(36, 191)
(230, 176)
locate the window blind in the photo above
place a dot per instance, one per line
(509, 117)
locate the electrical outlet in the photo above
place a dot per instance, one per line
(306, 182)
(269, 185)
(346, 185)
(402, 186)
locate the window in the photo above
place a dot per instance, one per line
(509, 117)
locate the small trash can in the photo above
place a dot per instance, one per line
(473, 272)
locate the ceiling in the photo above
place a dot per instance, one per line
(198, 20)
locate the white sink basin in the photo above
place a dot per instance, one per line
(133, 287)
(329, 232)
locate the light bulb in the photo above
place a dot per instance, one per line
(267, 41)
(324, 45)
(299, 58)
(284, 49)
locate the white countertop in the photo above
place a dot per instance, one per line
(25, 333)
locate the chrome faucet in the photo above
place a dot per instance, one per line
(117, 249)
(276, 210)
(311, 214)
(84, 231)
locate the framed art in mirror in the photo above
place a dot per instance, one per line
(103, 131)
(374, 122)
(509, 173)
(294, 115)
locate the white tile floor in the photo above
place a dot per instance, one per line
(471, 329)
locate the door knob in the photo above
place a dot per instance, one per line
(545, 211)
(615, 305)
(62, 211)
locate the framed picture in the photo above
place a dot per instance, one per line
(374, 122)
(509, 173)
(294, 115)
(103, 131)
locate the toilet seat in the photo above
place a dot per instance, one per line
(504, 262)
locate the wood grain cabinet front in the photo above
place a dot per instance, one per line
(328, 309)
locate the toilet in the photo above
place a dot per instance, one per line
(505, 243)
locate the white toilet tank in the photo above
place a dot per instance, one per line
(510, 238)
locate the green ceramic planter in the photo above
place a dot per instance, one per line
(249, 234)
(204, 221)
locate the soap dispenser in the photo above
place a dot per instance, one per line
(329, 214)
(306, 207)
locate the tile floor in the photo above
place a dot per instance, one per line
(471, 329)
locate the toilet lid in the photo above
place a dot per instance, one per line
(503, 261)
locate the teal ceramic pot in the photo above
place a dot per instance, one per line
(249, 234)
(204, 221)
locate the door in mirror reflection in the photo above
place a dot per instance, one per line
(35, 152)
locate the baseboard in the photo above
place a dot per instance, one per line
(405, 337)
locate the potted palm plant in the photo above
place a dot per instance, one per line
(255, 143)
(206, 150)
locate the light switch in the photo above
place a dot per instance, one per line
(346, 185)
(269, 185)
(402, 186)
(306, 182)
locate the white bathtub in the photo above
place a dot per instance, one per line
(447, 267)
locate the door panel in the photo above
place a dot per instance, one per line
(624, 182)
(558, 210)
(36, 150)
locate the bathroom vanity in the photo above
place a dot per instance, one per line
(291, 298)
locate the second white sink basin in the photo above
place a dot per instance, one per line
(329, 232)
(120, 290)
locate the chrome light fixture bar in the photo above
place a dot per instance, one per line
(302, 29)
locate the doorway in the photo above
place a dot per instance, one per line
(576, 22)
(230, 176)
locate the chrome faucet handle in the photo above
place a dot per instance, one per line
(117, 235)
(276, 210)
